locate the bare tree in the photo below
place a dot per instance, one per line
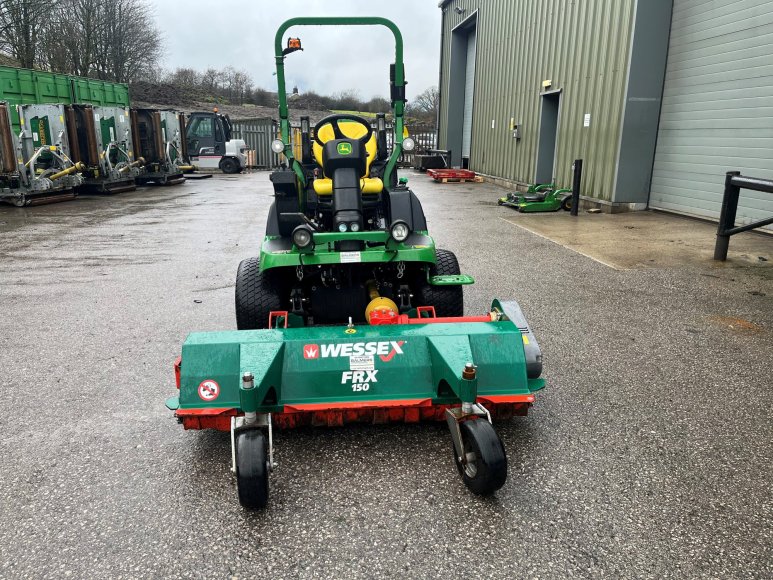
(186, 78)
(21, 28)
(129, 43)
(426, 104)
(70, 37)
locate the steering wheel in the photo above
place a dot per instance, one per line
(333, 121)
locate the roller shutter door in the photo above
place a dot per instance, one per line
(469, 89)
(717, 111)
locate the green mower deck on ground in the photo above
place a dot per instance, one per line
(350, 313)
(539, 198)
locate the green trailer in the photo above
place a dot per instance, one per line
(350, 312)
(19, 86)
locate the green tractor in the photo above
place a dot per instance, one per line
(351, 314)
(343, 226)
(538, 198)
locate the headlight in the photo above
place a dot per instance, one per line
(399, 231)
(302, 236)
(409, 144)
(277, 146)
(354, 226)
(342, 227)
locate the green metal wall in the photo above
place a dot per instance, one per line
(19, 86)
(582, 46)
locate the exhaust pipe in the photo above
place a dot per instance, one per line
(139, 163)
(77, 168)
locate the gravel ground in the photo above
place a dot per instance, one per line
(648, 455)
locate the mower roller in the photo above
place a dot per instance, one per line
(538, 198)
(350, 313)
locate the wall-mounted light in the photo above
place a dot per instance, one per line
(459, 10)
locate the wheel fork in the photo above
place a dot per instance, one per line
(456, 415)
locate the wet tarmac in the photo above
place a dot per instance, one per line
(648, 455)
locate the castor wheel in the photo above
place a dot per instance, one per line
(252, 468)
(483, 466)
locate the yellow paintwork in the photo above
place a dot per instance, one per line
(368, 185)
(351, 131)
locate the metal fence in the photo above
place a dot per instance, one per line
(425, 137)
(258, 134)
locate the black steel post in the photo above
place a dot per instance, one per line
(576, 181)
(727, 215)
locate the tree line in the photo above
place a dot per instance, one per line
(113, 40)
(235, 87)
(119, 41)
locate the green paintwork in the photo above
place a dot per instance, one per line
(19, 86)
(409, 362)
(398, 106)
(451, 280)
(325, 253)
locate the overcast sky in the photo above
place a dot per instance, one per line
(202, 33)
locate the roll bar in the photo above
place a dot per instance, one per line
(397, 83)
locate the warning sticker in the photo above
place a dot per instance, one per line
(350, 257)
(209, 390)
(361, 363)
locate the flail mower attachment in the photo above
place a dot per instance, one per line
(409, 367)
(538, 198)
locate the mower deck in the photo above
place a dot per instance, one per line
(335, 375)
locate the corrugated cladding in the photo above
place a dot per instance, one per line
(583, 47)
(717, 113)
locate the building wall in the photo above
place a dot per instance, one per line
(717, 113)
(583, 47)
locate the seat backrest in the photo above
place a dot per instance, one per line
(352, 131)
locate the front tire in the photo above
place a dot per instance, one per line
(484, 465)
(252, 469)
(447, 300)
(257, 295)
(566, 205)
(229, 165)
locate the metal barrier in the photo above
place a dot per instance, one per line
(734, 182)
(258, 134)
(425, 137)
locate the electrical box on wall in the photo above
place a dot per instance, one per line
(517, 131)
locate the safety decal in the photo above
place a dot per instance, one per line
(209, 390)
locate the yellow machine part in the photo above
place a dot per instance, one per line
(368, 185)
(377, 302)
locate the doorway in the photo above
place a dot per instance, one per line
(548, 131)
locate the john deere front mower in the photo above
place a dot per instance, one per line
(350, 313)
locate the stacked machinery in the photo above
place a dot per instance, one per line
(34, 165)
(159, 139)
(101, 139)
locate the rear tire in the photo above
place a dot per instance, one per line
(447, 300)
(566, 205)
(257, 295)
(229, 165)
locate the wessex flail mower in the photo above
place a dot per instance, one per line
(351, 314)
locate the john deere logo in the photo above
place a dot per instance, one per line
(344, 148)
